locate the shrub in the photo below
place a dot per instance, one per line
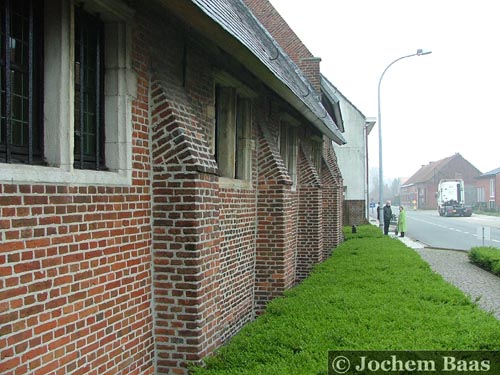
(487, 258)
(362, 231)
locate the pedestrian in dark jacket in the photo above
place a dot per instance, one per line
(387, 216)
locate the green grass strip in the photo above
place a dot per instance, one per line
(486, 257)
(374, 293)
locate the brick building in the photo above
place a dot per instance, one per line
(488, 189)
(422, 186)
(352, 158)
(165, 171)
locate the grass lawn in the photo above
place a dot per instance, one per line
(373, 293)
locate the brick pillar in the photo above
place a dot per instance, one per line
(185, 239)
(310, 218)
(331, 181)
(277, 226)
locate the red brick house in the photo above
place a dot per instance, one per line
(165, 171)
(488, 189)
(422, 186)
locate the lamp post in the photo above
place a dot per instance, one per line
(420, 52)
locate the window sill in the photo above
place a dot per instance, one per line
(20, 174)
(231, 183)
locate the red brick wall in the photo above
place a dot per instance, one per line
(484, 182)
(331, 180)
(75, 275)
(287, 39)
(354, 212)
(146, 278)
(279, 29)
(186, 238)
(310, 218)
(277, 225)
(237, 258)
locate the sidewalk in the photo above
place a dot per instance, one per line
(406, 240)
(454, 266)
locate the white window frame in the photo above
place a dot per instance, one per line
(120, 89)
(480, 195)
(492, 188)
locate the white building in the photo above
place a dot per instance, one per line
(352, 157)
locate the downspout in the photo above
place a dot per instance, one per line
(256, 226)
(153, 306)
(367, 181)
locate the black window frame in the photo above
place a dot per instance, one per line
(28, 149)
(90, 26)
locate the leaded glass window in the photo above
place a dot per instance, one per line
(89, 91)
(21, 81)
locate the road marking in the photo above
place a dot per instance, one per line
(452, 229)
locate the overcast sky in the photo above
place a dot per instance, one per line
(432, 106)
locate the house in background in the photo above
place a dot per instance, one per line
(422, 186)
(488, 189)
(352, 157)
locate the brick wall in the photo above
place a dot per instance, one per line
(310, 218)
(276, 232)
(354, 212)
(75, 275)
(279, 29)
(288, 40)
(331, 180)
(237, 257)
(185, 238)
(145, 278)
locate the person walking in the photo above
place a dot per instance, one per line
(402, 221)
(387, 216)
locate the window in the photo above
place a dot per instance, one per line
(21, 67)
(89, 91)
(83, 88)
(317, 152)
(243, 138)
(480, 195)
(492, 188)
(233, 129)
(288, 148)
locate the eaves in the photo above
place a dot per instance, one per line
(231, 26)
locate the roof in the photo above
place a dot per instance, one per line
(338, 92)
(330, 94)
(491, 173)
(237, 20)
(444, 168)
(427, 172)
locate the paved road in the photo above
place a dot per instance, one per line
(452, 232)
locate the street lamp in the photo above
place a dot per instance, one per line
(420, 52)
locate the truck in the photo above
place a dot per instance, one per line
(451, 198)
